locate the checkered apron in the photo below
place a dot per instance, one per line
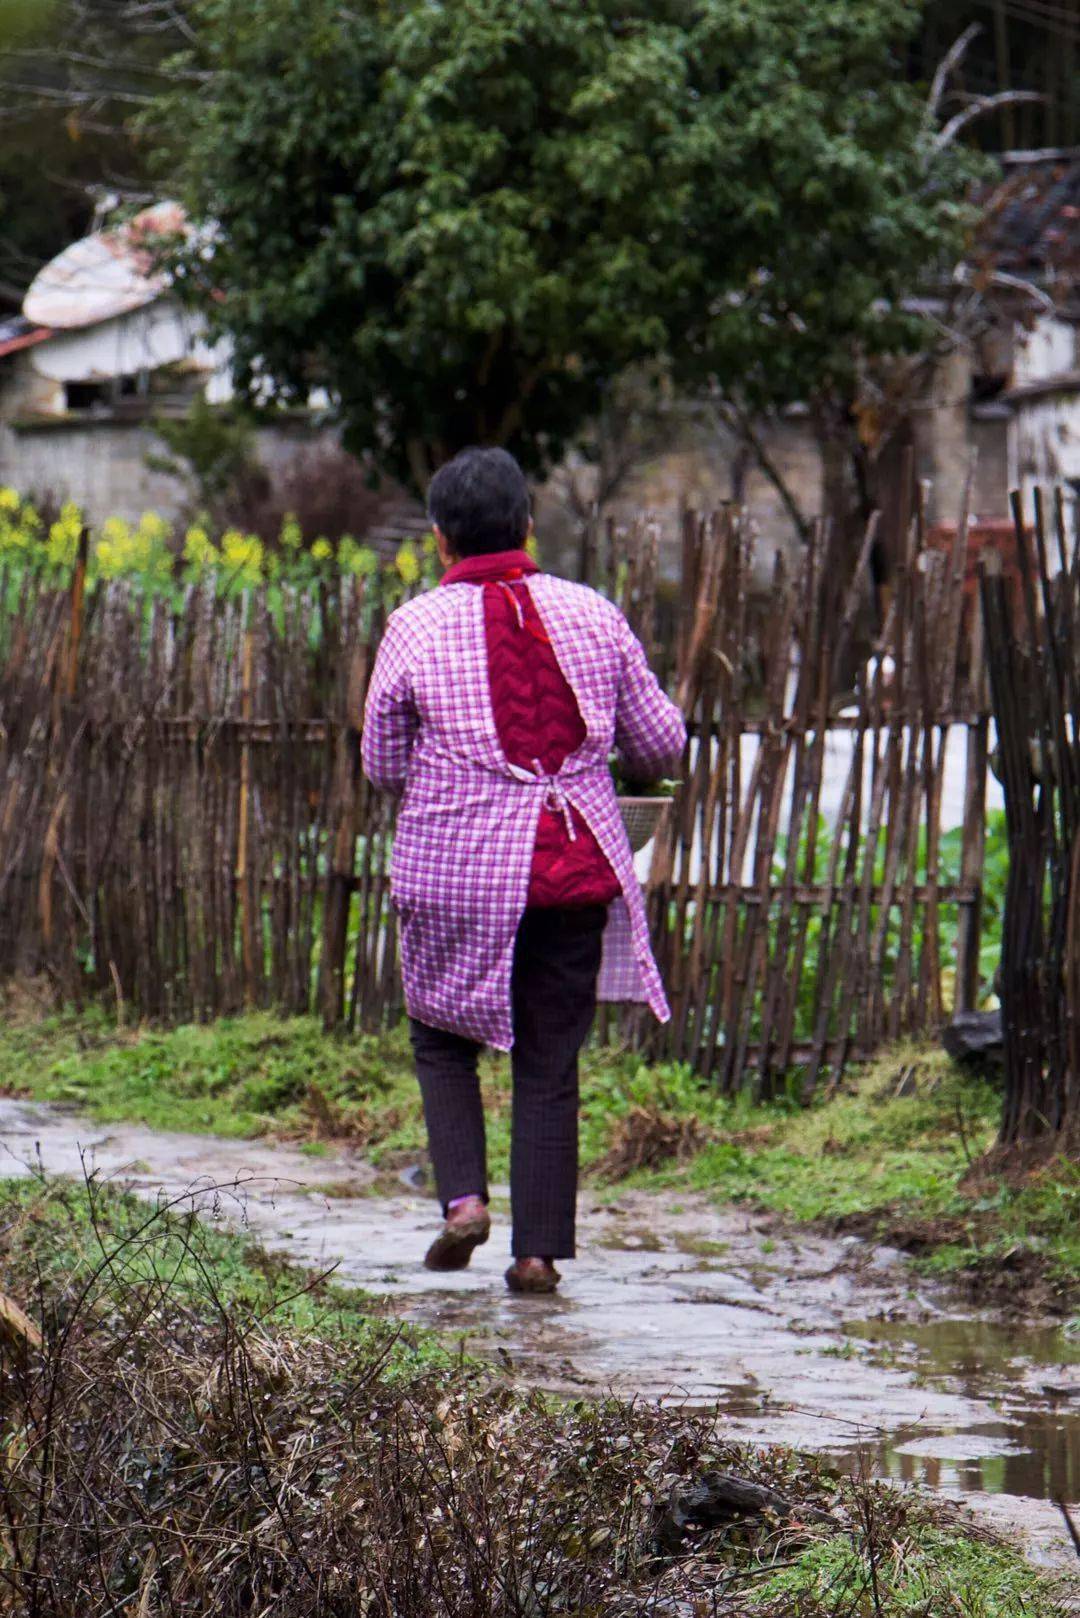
(466, 825)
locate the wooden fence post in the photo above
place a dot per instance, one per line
(590, 531)
(78, 615)
(65, 682)
(248, 899)
(343, 821)
(973, 834)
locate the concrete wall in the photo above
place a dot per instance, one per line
(99, 464)
(703, 469)
(1047, 349)
(1045, 432)
(705, 475)
(100, 459)
(993, 472)
(103, 464)
(942, 437)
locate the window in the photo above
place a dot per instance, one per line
(85, 395)
(99, 397)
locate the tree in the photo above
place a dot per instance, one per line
(466, 218)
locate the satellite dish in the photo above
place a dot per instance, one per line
(107, 274)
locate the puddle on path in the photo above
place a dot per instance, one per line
(1028, 1376)
(823, 1343)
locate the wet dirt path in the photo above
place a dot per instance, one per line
(827, 1344)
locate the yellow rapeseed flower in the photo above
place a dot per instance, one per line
(358, 559)
(148, 553)
(154, 529)
(199, 549)
(242, 556)
(20, 524)
(407, 563)
(114, 552)
(15, 536)
(62, 544)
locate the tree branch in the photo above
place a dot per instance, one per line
(740, 423)
(977, 107)
(952, 58)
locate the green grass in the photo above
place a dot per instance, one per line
(238, 1077)
(57, 1234)
(934, 1569)
(885, 1161)
(898, 1164)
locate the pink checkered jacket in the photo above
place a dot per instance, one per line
(466, 825)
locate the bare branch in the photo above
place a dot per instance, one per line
(735, 418)
(965, 275)
(102, 64)
(977, 107)
(952, 58)
(71, 97)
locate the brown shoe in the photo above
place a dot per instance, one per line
(466, 1228)
(534, 1275)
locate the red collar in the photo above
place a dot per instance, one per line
(491, 567)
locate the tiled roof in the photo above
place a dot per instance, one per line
(17, 332)
(1032, 222)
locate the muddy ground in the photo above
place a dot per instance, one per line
(824, 1343)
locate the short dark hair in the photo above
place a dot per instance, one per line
(480, 501)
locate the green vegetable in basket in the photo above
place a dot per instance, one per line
(626, 787)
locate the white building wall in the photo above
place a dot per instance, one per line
(1048, 349)
(160, 334)
(99, 464)
(1047, 436)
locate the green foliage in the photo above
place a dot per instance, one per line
(73, 72)
(62, 1232)
(812, 866)
(236, 1077)
(893, 1156)
(22, 21)
(209, 448)
(465, 220)
(936, 1569)
(625, 785)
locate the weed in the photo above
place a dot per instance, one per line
(178, 1446)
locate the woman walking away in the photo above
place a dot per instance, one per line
(495, 704)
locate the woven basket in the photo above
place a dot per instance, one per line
(641, 818)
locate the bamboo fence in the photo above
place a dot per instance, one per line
(789, 941)
(1033, 648)
(184, 827)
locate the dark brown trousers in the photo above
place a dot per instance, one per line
(556, 962)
